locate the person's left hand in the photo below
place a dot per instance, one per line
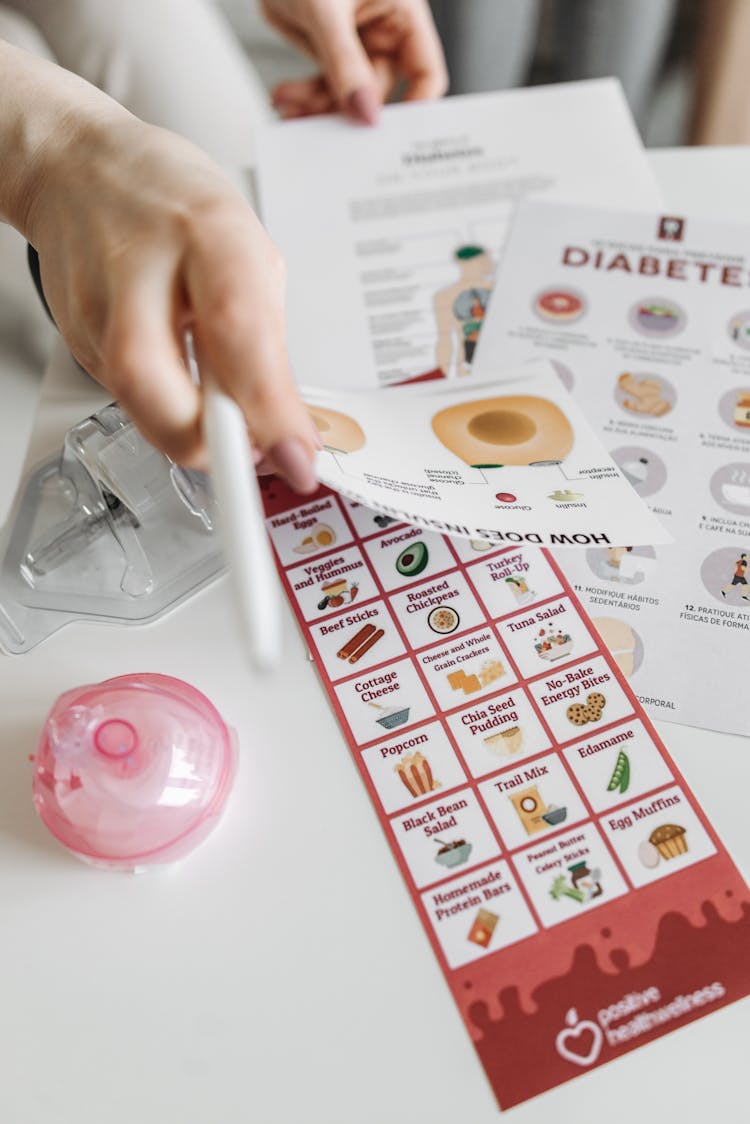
(365, 48)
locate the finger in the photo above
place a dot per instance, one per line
(142, 365)
(236, 288)
(333, 33)
(303, 98)
(421, 59)
(298, 90)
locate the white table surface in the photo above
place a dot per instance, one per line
(280, 975)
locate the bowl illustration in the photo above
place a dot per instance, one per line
(394, 717)
(554, 816)
(453, 854)
(738, 494)
(443, 619)
(505, 742)
(554, 647)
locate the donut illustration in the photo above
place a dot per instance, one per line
(338, 432)
(517, 429)
(561, 305)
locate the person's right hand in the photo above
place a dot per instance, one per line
(140, 237)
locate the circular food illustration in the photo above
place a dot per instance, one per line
(657, 316)
(647, 395)
(734, 410)
(412, 560)
(641, 468)
(739, 329)
(517, 429)
(730, 487)
(443, 619)
(623, 642)
(563, 306)
(318, 538)
(338, 432)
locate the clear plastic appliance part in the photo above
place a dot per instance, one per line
(110, 529)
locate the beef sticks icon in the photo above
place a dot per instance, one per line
(356, 646)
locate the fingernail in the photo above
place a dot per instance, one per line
(293, 462)
(363, 105)
(263, 467)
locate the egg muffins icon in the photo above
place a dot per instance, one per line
(338, 432)
(511, 430)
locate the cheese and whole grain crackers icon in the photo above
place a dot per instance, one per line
(487, 673)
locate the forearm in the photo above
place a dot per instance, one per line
(44, 110)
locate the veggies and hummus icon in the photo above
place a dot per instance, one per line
(336, 593)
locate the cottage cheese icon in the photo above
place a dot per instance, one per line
(580, 1041)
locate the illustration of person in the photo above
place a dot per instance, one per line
(460, 310)
(615, 555)
(739, 579)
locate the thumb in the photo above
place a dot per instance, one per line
(345, 64)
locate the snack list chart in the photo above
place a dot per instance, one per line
(551, 848)
(647, 319)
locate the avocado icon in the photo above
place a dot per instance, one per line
(412, 560)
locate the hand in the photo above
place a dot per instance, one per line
(365, 48)
(140, 237)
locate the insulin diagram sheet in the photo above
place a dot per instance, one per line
(647, 318)
(392, 235)
(512, 464)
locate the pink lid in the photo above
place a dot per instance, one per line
(134, 771)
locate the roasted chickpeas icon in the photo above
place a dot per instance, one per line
(338, 431)
(517, 429)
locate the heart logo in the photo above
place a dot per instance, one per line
(579, 1042)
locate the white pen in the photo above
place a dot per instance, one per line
(252, 574)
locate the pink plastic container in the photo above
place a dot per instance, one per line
(133, 772)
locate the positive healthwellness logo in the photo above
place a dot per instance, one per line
(637, 1013)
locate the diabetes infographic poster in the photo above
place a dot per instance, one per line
(646, 318)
